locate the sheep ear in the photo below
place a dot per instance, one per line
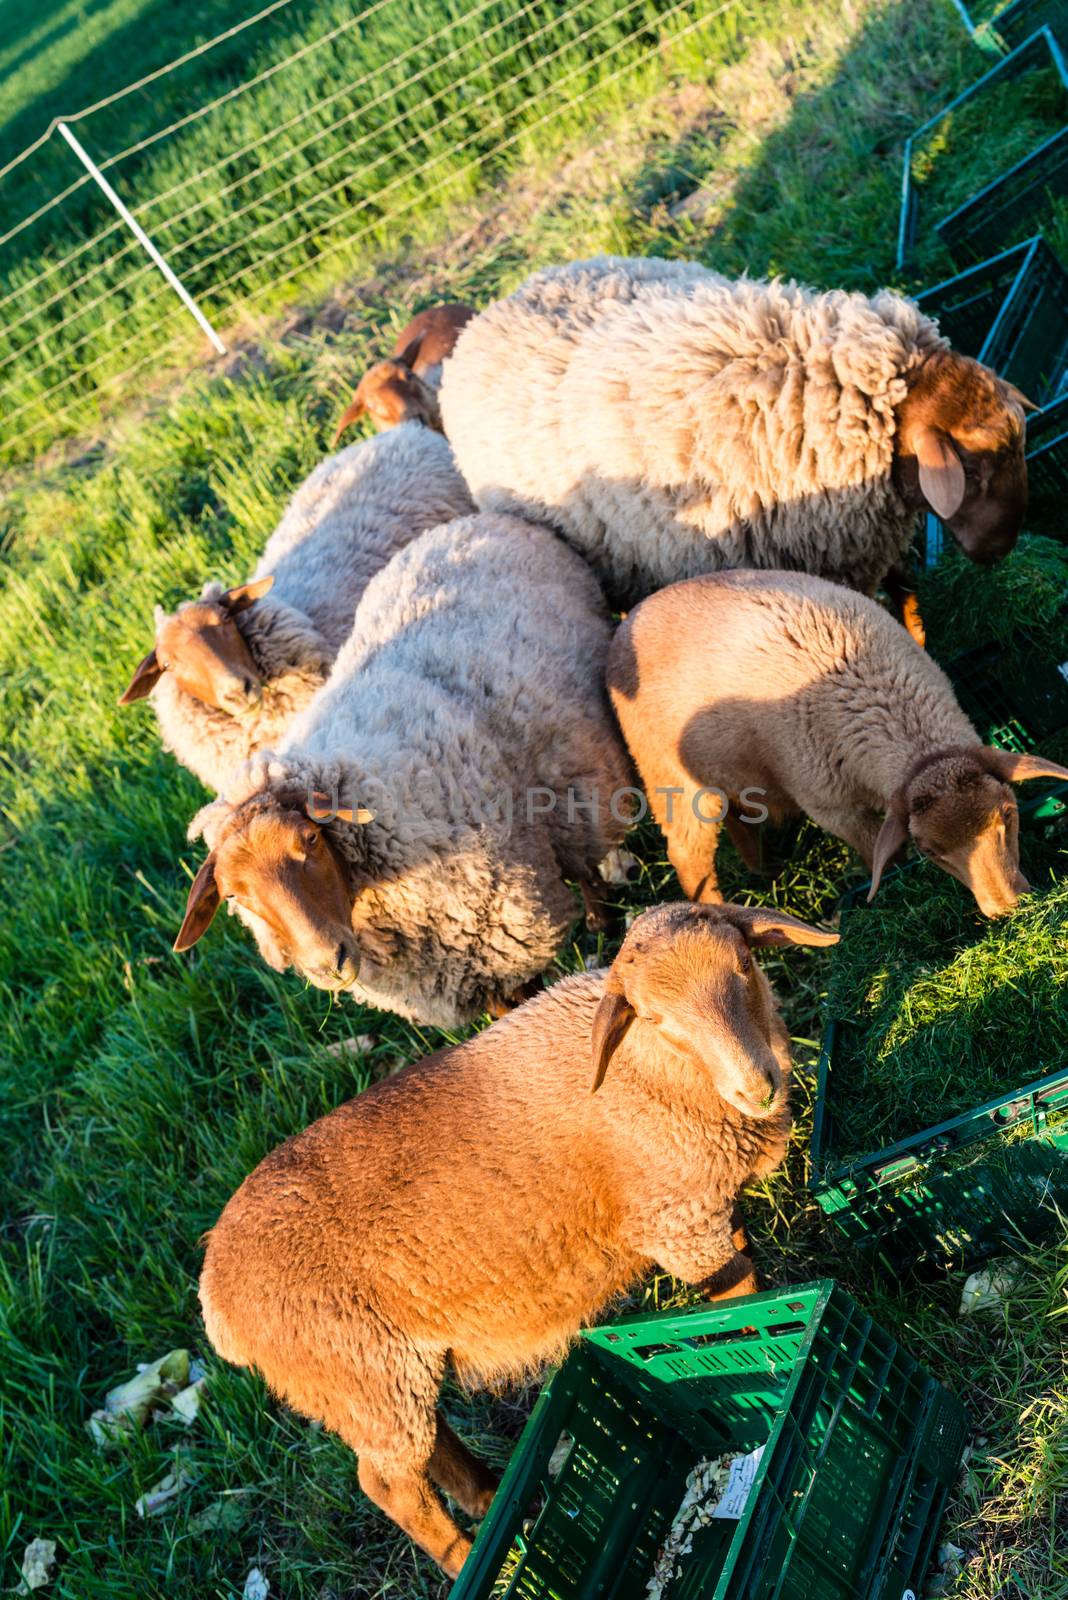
(243, 595)
(762, 925)
(1013, 768)
(941, 473)
(613, 1017)
(200, 908)
(144, 680)
(320, 808)
(893, 835)
(410, 354)
(1020, 398)
(352, 413)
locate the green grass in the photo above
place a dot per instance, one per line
(137, 1087)
(945, 1009)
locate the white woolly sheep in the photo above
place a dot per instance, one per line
(780, 690)
(228, 672)
(483, 1204)
(467, 714)
(669, 421)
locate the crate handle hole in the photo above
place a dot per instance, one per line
(779, 1330)
(646, 1352)
(698, 1341)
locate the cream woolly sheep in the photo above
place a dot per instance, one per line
(242, 662)
(471, 686)
(483, 1204)
(811, 698)
(669, 421)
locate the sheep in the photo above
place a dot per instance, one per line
(405, 387)
(669, 422)
(778, 691)
(482, 1204)
(467, 716)
(229, 671)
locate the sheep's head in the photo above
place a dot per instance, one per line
(203, 646)
(958, 809)
(686, 972)
(274, 862)
(960, 452)
(391, 392)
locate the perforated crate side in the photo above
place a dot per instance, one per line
(1012, 204)
(967, 306)
(1020, 19)
(973, 225)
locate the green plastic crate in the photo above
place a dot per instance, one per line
(908, 1206)
(911, 1203)
(861, 1446)
(1020, 19)
(968, 305)
(1047, 468)
(1018, 711)
(1011, 204)
(983, 224)
(1006, 26)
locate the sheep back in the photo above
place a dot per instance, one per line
(681, 422)
(473, 678)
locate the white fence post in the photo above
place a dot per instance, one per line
(139, 233)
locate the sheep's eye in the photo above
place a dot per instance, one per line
(311, 839)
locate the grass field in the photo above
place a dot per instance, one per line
(137, 1087)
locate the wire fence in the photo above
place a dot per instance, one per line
(326, 149)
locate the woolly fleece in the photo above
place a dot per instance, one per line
(474, 672)
(343, 524)
(671, 422)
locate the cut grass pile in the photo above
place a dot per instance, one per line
(963, 604)
(137, 1088)
(945, 1009)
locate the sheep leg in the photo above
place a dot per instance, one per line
(746, 839)
(857, 829)
(407, 1496)
(526, 991)
(739, 1234)
(593, 902)
(904, 601)
(691, 848)
(712, 1261)
(464, 1478)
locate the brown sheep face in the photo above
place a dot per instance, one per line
(686, 972)
(960, 813)
(204, 648)
(960, 453)
(391, 393)
(277, 867)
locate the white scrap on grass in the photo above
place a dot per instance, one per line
(716, 1489)
(361, 1044)
(984, 1291)
(187, 1402)
(156, 1499)
(130, 1405)
(38, 1563)
(619, 866)
(256, 1586)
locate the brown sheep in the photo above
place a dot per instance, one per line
(404, 388)
(778, 690)
(483, 1204)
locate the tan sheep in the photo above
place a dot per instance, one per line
(777, 690)
(483, 1204)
